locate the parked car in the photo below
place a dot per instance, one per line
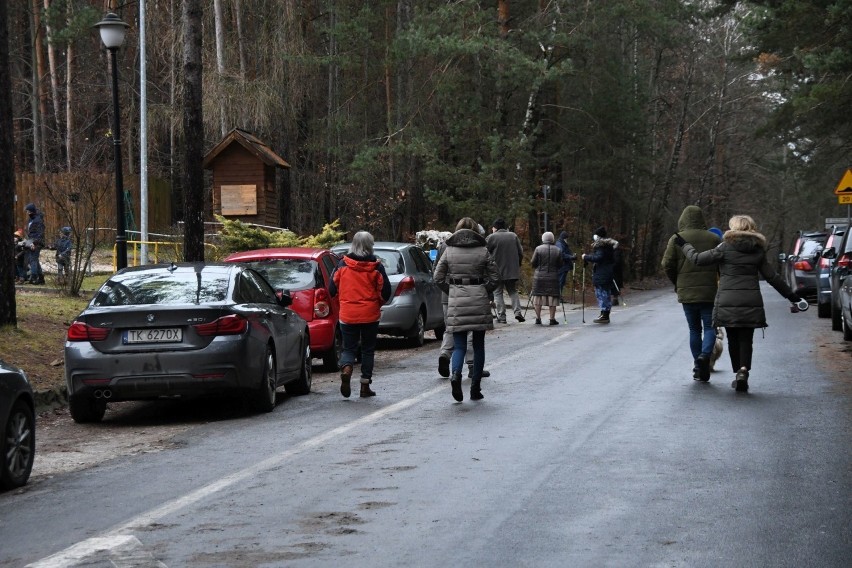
(799, 267)
(184, 330)
(17, 427)
(306, 274)
(415, 303)
(841, 285)
(824, 264)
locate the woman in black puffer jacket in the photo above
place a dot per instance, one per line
(739, 305)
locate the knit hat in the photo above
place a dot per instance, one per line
(19, 233)
(600, 232)
(30, 207)
(547, 238)
(716, 231)
(66, 230)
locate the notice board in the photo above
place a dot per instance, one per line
(239, 200)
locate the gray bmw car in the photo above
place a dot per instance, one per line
(182, 330)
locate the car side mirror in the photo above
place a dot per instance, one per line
(829, 253)
(284, 297)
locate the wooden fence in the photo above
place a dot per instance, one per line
(52, 194)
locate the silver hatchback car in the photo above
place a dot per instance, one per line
(415, 303)
(180, 330)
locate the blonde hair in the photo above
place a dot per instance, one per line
(467, 223)
(742, 223)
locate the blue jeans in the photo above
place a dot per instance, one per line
(460, 348)
(698, 316)
(604, 297)
(32, 261)
(365, 334)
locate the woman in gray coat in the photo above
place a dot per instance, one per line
(467, 273)
(739, 305)
(547, 260)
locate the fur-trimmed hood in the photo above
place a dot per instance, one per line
(745, 241)
(466, 238)
(605, 242)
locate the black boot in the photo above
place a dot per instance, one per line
(603, 318)
(475, 390)
(455, 383)
(345, 375)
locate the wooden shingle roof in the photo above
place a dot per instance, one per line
(254, 145)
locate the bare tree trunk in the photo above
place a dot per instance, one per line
(193, 133)
(54, 81)
(38, 86)
(70, 126)
(38, 159)
(8, 313)
(238, 15)
(389, 123)
(220, 59)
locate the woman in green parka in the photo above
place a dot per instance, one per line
(739, 305)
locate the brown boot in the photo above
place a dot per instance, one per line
(345, 375)
(365, 389)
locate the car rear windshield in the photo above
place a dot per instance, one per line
(392, 261)
(810, 247)
(162, 288)
(288, 274)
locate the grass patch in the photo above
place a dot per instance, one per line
(37, 343)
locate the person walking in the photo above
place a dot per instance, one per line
(568, 259)
(467, 273)
(362, 284)
(35, 236)
(738, 307)
(603, 258)
(507, 252)
(62, 246)
(547, 262)
(447, 343)
(695, 286)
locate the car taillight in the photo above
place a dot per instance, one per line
(405, 285)
(844, 261)
(225, 325)
(321, 303)
(79, 331)
(824, 262)
(803, 265)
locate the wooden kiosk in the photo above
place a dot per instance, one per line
(244, 179)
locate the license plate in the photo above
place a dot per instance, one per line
(160, 335)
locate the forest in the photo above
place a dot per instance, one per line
(402, 115)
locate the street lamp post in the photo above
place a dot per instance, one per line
(113, 30)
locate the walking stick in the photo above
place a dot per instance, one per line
(620, 295)
(564, 316)
(583, 294)
(529, 301)
(573, 288)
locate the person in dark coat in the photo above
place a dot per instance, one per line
(568, 259)
(603, 258)
(468, 274)
(21, 275)
(35, 236)
(547, 262)
(508, 253)
(695, 287)
(62, 246)
(738, 307)
(363, 286)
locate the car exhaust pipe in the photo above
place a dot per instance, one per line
(107, 393)
(98, 393)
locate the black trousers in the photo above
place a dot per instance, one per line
(740, 341)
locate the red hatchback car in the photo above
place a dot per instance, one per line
(306, 274)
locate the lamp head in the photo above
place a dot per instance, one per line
(113, 30)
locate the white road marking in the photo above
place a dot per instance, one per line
(122, 550)
(117, 536)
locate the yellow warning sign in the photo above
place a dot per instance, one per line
(844, 199)
(845, 185)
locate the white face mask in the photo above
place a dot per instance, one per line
(595, 237)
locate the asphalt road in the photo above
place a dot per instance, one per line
(593, 447)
